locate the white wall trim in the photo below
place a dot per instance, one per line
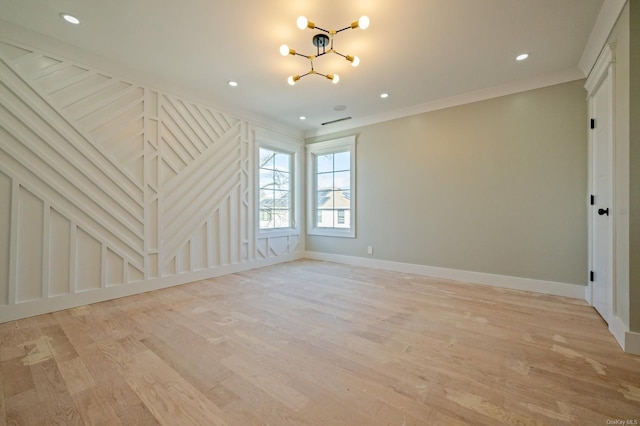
(632, 343)
(21, 36)
(536, 82)
(600, 68)
(618, 330)
(45, 306)
(603, 72)
(629, 341)
(587, 295)
(527, 284)
(294, 147)
(605, 22)
(347, 143)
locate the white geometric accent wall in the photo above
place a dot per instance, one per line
(108, 184)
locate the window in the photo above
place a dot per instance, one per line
(276, 161)
(332, 187)
(276, 207)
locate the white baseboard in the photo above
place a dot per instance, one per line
(588, 294)
(618, 330)
(632, 343)
(67, 301)
(527, 284)
(629, 341)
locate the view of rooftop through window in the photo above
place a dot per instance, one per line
(333, 190)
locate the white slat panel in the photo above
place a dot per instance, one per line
(5, 230)
(104, 182)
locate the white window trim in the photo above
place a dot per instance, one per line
(319, 148)
(287, 145)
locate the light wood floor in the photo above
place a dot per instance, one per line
(314, 343)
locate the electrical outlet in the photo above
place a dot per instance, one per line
(369, 249)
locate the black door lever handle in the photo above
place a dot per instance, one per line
(602, 212)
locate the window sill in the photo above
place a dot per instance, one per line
(346, 233)
(280, 232)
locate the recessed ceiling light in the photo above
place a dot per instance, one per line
(302, 117)
(384, 95)
(232, 83)
(70, 18)
(522, 57)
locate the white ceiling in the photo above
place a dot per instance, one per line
(419, 51)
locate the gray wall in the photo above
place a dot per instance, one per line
(497, 186)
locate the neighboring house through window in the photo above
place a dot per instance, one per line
(332, 187)
(278, 184)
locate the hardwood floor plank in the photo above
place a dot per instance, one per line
(122, 399)
(113, 388)
(61, 347)
(138, 415)
(207, 381)
(76, 375)
(20, 410)
(3, 408)
(348, 376)
(293, 354)
(94, 410)
(264, 406)
(271, 382)
(317, 343)
(168, 396)
(76, 328)
(17, 377)
(53, 395)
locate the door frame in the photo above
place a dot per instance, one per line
(603, 68)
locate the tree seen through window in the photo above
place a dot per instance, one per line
(275, 189)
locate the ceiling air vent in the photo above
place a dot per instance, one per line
(336, 121)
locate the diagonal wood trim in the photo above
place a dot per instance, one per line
(127, 245)
(63, 175)
(108, 170)
(179, 231)
(197, 175)
(126, 184)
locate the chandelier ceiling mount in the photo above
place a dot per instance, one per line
(324, 44)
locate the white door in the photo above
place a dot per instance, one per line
(601, 154)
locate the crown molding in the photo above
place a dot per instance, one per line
(537, 82)
(607, 18)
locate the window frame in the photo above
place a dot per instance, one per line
(329, 147)
(285, 145)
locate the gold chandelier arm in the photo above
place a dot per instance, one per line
(321, 42)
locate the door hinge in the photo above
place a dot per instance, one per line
(592, 276)
(593, 123)
(593, 200)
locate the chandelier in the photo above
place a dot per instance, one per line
(324, 45)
